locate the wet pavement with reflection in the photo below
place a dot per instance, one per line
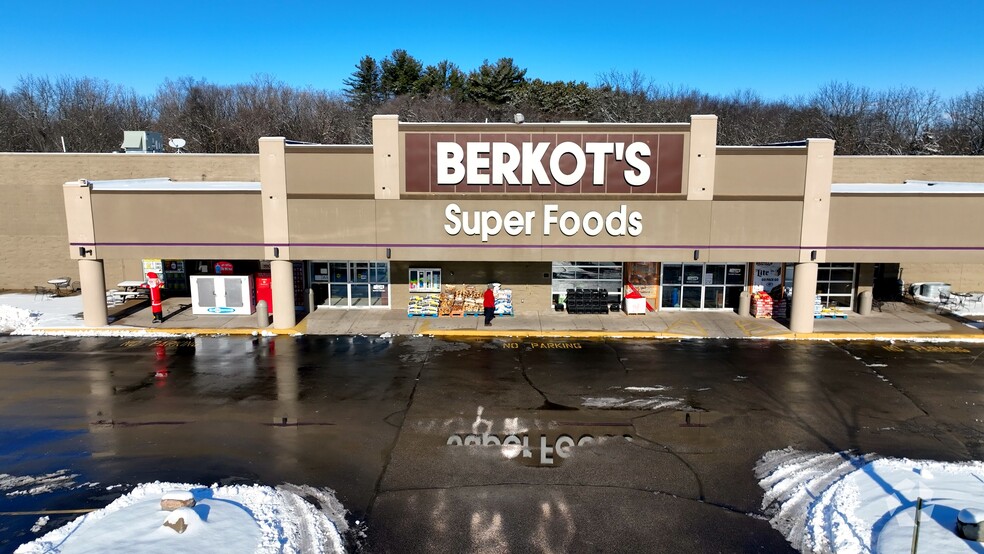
(476, 445)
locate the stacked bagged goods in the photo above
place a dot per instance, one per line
(503, 302)
(424, 305)
(761, 304)
(820, 311)
(452, 302)
(781, 308)
(472, 302)
(446, 301)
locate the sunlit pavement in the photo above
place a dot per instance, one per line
(480, 444)
(894, 320)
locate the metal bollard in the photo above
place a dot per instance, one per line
(744, 304)
(864, 303)
(262, 314)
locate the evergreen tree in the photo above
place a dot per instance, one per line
(364, 87)
(493, 86)
(401, 74)
(443, 79)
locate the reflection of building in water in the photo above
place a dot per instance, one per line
(286, 418)
(223, 364)
(99, 409)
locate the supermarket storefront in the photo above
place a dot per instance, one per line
(543, 209)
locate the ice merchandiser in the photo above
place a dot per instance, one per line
(222, 294)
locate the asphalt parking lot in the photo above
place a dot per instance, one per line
(479, 445)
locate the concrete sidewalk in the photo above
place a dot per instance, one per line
(895, 321)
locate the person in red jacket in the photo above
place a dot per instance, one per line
(154, 285)
(489, 304)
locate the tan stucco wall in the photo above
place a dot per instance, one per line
(962, 277)
(173, 225)
(330, 170)
(758, 171)
(896, 169)
(414, 230)
(33, 233)
(931, 223)
(775, 224)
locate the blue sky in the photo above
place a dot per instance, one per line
(778, 49)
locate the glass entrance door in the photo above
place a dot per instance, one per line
(359, 285)
(701, 286)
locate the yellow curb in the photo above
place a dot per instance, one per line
(301, 328)
(167, 331)
(507, 333)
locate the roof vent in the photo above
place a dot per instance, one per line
(141, 141)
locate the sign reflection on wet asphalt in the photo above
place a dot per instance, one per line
(470, 445)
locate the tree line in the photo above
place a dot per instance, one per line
(83, 114)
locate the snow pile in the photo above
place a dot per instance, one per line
(638, 399)
(240, 518)
(846, 503)
(15, 485)
(41, 311)
(15, 319)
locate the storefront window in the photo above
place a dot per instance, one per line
(736, 274)
(670, 297)
(835, 284)
(359, 284)
(702, 286)
(339, 272)
(672, 274)
(585, 275)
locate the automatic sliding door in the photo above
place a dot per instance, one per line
(338, 296)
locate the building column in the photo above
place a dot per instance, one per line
(804, 295)
(282, 282)
(92, 277)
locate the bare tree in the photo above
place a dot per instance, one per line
(842, 112)
(963, 129)
(34, 102)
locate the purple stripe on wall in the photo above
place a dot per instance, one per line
(528, 246)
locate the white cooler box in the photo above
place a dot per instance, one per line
(634, 306)
(222, 294)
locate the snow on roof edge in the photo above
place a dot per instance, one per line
(908, 187)
(166, 184)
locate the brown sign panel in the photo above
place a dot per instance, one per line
(544, 163)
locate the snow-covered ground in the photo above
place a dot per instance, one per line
(30, 314)
(21, 313)
(239, 518)
(846, 503)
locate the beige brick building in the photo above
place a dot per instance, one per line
(541, 208)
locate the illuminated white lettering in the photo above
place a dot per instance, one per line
(533, 163)
(451, 213)
(593, 223)
(549, 218)
(635, 224)
(572, 228)
(632, 157)
(450, 169)
(491, 224)
(477, 155)
(580, 163)
(598, 150)
(505, 162)
(513, 223)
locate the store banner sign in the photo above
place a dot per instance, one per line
(489, 223)
(767, 276)
(544, 163)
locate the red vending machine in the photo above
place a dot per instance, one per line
(264, 291)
